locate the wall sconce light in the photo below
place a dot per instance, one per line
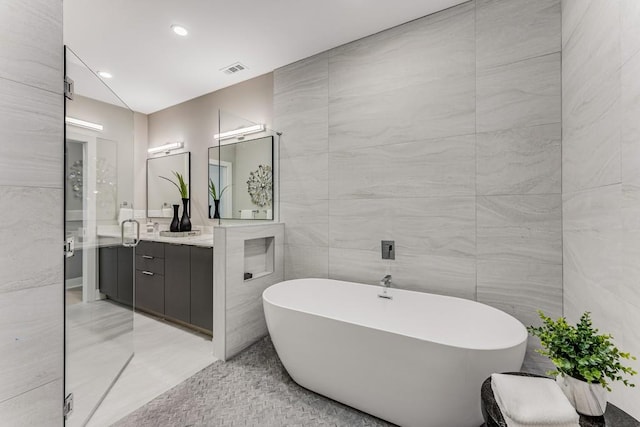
(240, 132)
(83, 124)
(166, 148)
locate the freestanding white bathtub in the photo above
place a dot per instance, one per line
(416, 360)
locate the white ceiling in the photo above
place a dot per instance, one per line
(154, 69)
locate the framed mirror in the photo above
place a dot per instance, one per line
(241, 180)
(161, 194)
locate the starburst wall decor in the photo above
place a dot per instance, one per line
(260, 186)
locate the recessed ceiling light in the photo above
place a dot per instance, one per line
(105, 74)
(179, 30)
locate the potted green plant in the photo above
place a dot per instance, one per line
(184, 224)
(216, 198)
(586, 361)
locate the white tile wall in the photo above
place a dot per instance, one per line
(600, 159)
(31, 164)
(442, 134)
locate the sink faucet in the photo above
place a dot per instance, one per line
(386, 284)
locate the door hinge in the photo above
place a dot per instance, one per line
(68, 88)
(68, 406)
(69, 247)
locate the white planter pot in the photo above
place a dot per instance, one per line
(587, 398)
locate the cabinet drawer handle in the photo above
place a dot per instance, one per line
(148, 273)
(147, 257)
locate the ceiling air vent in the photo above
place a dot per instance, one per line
(234, 68)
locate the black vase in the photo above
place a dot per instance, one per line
(185, 222)
(216, 212)
(175, 222)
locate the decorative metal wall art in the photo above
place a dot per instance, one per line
(260, 186)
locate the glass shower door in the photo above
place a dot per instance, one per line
(100, 230)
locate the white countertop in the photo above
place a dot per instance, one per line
(203, 240)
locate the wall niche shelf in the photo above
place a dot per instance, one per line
(258, 257)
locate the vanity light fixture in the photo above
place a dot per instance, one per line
(105, 74)
(239, 132)
(166, 148)
(179, 30)
(83, 124)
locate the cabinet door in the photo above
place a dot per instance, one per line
(177, 280)
(149, 291)
(108, 271)
(202, 287)
(125, 275)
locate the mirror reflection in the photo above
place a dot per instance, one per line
(241, 180)
(161, 193)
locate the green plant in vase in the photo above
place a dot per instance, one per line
(216, 198)
(184, 224)
(182, 186)
(586, 361)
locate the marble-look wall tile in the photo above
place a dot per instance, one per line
(597, 209)
(519, 161)
(444, 275)
(301, 110)
(31, 49)
(31, 253)
(31, 128)
(591, 107)
(307, 222)
(434, 109)
(521, 288)
(592, 232)
(304, 133)
(520, 94)
(630, 245)
(304, 178)
(306, 261)
(31, 339)
(436, 226)
(21, 411)
(431, 48)
(572, 13)
(438, 167)
(630, 125)
(630, 37)
(512, 30)
(245, 322)
(304, 81)
(521, 228)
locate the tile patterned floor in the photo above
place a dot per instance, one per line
(252, 389)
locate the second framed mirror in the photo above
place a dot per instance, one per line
(241, 180)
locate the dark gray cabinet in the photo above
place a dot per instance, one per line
(177, 282)
(150, 277)
(115, 273)
(125, 275)
(202, 287)
(150, 291)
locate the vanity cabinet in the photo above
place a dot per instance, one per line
(150, 276)
(201, 266)
(115, 273)
(176, 282)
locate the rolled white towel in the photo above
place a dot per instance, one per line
(532, 402)
(125, 213)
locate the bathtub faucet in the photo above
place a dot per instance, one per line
(385, 283)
